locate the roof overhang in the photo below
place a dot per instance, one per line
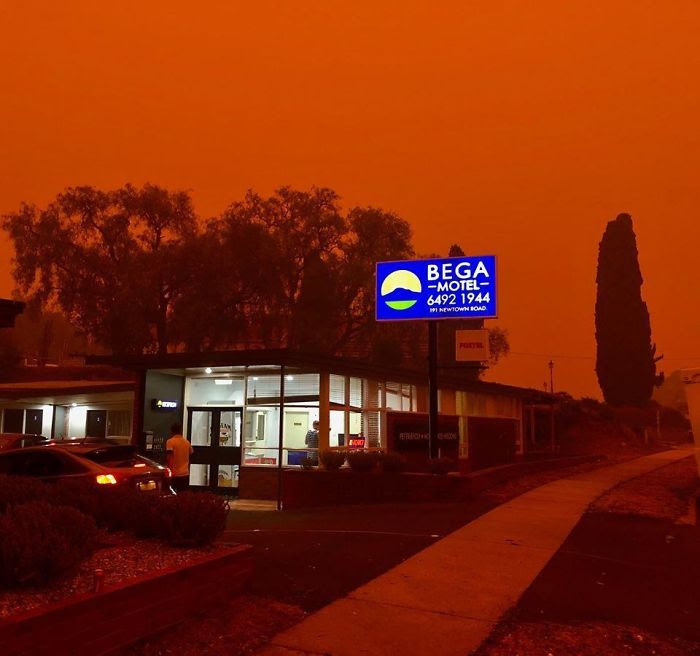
(66, 391)
(313, 362)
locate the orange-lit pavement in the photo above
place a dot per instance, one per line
(447, 598)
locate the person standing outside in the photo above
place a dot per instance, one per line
(178, 451)
(312, 443)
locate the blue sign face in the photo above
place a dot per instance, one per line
(448, 288)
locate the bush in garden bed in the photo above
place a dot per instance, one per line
(192, 519)
(362, 461)
(39, 541)
(19, 489)
(392, 462)
(331, 459)
(188, 519)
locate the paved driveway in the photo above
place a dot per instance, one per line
(309, 558)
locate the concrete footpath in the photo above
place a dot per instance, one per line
(447, 598)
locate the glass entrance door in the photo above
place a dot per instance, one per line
(215, 435)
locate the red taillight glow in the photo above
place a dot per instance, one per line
(105, 479)
(168, 472)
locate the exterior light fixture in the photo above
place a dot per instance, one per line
(290, 377)
(207, 370)
(73, 405)
(223, 381)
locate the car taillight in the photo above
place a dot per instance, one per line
(105, 479)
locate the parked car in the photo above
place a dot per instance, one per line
(101, 464)
(21, 440)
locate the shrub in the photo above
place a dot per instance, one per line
(19, 489)
(332, 459)
(442, 465)
(113, 507)
(192, 519)
(362, 461)
(392, 462)
(39, 541)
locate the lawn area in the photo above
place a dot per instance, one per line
(626, 580)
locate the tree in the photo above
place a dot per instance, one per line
(113, 261)
(625, 361)
(306, 274)
(44, 336)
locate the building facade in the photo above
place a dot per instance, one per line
(256, 409)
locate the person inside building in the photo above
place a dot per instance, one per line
(312, 443)
(178, 451)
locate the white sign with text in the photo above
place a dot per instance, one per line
(472, 346)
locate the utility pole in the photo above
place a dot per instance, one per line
(551, 376)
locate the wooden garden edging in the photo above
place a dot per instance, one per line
(98, 623)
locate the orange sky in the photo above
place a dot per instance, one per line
(513, 129)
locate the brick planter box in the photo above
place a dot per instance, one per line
(317, 487)
(96, 624)
(305, 489)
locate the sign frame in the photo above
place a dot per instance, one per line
(438, 317)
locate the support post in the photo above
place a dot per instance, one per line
(138, 410)
(53, 421)
(280, 440)
(324, 411)
(432, 390)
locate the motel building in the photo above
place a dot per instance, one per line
(70, 403)
(248, 412)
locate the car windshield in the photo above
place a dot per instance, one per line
(116, 456)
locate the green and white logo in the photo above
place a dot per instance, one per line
(400, 289)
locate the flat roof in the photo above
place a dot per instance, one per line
(305, 360)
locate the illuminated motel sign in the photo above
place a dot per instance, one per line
(446, 288)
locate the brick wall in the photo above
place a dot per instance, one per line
(96, 624)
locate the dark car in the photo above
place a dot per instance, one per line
(101, 464)
(21, 440)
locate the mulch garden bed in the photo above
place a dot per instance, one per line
(239, 626)
(624, 582)
(121, 557)
(584, 639)
(661, 494)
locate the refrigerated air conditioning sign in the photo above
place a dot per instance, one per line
(447, 288)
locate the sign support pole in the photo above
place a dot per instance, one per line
(432, 390)
(280, 449)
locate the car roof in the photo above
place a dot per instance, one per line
(23, 435)
(88, 447)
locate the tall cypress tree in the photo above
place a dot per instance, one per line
(625, 362)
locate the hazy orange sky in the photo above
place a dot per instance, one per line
(511, 128)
